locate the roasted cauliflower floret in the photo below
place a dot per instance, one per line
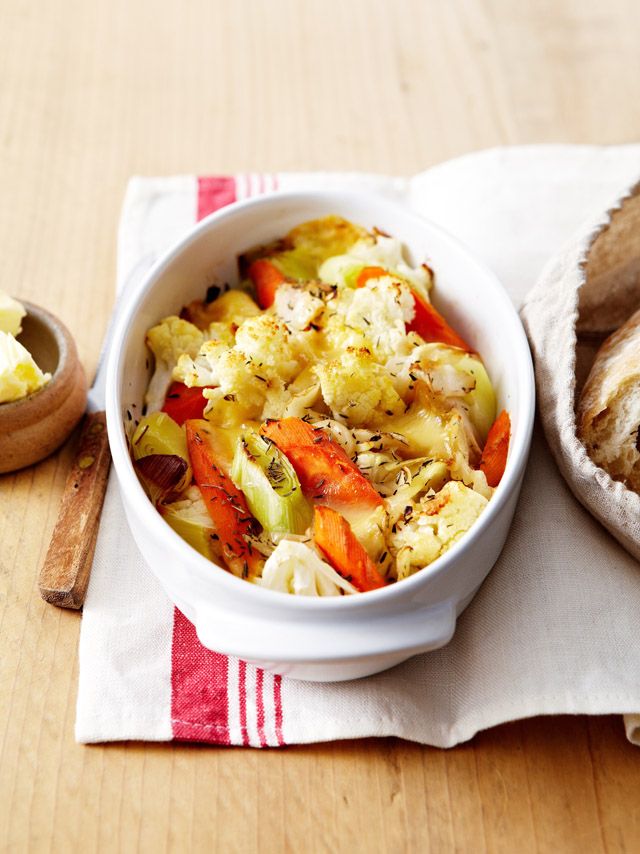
(172, 337)
(431, 527)
(246, 391)
(374, 316)
(249, 379)
(201, 370)
(190, 506)
(337, 336)
(357, 389)
(242, 382)
(231, 308)
(381, 310)
(261, 343)
(222, 330)
(265, 340)
(298, 306)
(387, 252)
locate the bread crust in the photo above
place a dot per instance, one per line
(609, 406)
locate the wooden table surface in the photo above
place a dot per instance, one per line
(93, 92)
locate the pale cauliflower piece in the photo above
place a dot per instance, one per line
(381, 310)
(439, 430)
(11, 314)
(230, 309)
(374, 316)
(357, 389)
(433, 526)
(201, 370)
(19, 374)
(172, 337)
(387, 252)
(246, 391)
(252, 374)
(235, 306)
(297, 307)
(242, 381)
(340, 434)
(295, 568)
(339, 336)
(265, 340)
(222, 330)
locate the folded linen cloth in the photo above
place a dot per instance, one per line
(553, 629)
(588, 289)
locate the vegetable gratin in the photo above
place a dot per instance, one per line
(321, 429)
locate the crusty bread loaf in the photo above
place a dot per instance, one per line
(608, 416)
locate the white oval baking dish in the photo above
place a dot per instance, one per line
(339, 638)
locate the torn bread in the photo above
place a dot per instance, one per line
(608, 416)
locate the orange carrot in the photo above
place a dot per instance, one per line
(326, 473)
(369, 273)
(267, 278)
(225, 503)
(182, 402)
(428, 323)
(333, 534)
(494, 455)
(432, 326)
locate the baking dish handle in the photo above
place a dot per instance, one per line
(406, 632)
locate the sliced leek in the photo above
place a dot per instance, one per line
(158, 434)
(481, 399)
(196, 536)
(163, 475)
(341, 270)
(270, 485)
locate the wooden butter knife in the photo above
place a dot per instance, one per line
(64, 576)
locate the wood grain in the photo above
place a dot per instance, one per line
(92, 93)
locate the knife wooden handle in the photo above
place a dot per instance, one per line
(65, 573)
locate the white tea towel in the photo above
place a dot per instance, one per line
(555, 626)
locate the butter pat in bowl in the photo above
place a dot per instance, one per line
(20, 376)
(43, 387)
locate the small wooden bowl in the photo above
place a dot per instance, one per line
(36, 426)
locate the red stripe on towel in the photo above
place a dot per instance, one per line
(260, 706)
(277, 699)
(242, 691)
(214, 192)
(200, 692)
(199, 677)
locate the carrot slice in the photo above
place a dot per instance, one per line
(267, 278)
(225, 503)
(326, 473)
(183, 402)
(333, 534)
(496, 449)
(369, 273)
(427, 322)
(432, 326)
